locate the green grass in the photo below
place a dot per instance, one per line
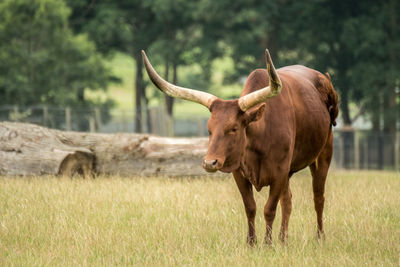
(162, 221)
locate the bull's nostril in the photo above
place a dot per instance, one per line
(210, 163)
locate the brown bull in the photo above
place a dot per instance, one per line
(264, 140)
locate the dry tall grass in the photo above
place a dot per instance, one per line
(161, 221)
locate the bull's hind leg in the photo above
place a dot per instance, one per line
(286, 207)
(246, 190)
(319, 171)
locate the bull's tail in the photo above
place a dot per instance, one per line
(331, 100)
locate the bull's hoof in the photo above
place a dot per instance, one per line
(283, 238)
(251, 241)
(321, 236)
(268, 240)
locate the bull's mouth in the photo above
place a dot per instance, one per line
(226, 166)
(210, 168)
(212, 165)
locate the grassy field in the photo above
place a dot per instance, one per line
(162, 221)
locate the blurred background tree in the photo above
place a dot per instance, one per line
(55, 51)
(42, 61)
(126, 26)
(358, 42)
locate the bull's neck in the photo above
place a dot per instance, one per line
(250, 163)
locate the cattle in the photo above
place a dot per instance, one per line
(281, 123)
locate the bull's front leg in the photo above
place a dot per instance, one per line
(246, 190)
(270, 207)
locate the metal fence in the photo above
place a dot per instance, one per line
(63, 118)
(104, 121)
(364, 149)
(353, 149)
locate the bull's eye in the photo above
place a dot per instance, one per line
(232, 131)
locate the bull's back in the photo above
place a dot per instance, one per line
(312, 119)
(296, 122)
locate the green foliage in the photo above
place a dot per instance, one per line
(41, 60)
(358, 42)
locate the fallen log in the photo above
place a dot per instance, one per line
(27, 149)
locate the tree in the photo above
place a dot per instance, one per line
(320, 32)
(41, 61)
(185, 40)
(247, 29)
(359, 43)
(176, 17)
(375, 38)
(349, 39)
(127, 26)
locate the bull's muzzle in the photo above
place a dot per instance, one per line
(211, 165)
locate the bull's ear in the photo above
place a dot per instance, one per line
(255, 114)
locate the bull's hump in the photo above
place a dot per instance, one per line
(297, 71)
(257, 79)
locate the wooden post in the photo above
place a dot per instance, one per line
(170, 125)
(341, 150)
(92, 124)
(124, 121)
(97, 116)
(45, 115)
(68, 118)
(14, 115)
(380, 151)
(397, 151)
(154, 121)
(366, 154)
(199, 127)
(356, 150)
(162, 121)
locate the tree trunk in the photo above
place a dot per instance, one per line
(27, 149)
(376, 113)
(81, 95)
(170, 100)
(344, 105)
(390, 115)
(139, 92)
(148, 115)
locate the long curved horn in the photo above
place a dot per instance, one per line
(274, 88)
(200, 97)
